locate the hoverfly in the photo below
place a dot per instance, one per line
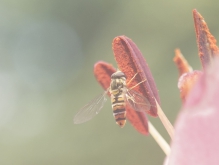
(120, 96)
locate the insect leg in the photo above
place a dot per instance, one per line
(132, 78)
(137, 84)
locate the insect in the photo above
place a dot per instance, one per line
(120, 97)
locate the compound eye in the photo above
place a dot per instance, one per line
(118, 75)
(113, 76)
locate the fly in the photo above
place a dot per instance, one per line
(120, 97)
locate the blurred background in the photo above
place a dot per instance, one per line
(47, 52)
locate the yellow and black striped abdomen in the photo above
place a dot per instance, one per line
(119, 111)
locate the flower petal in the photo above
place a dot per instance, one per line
(206, 42)
(186, 83)
(181, 63)
(103, 72)
(196, 139)
(130, 61)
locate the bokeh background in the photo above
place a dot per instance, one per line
(47, 52)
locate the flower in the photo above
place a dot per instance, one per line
(195, 139)
(131, 62)
(196, 129)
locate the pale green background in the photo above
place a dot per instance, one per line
(47, 52)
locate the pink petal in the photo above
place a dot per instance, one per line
(196, 140)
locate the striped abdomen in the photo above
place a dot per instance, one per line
(119, 111)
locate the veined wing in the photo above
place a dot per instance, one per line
(137, 101)
(91, 109)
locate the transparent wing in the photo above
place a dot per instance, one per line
(137, 101)
(91, 109)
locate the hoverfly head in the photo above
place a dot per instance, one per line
(118, 75)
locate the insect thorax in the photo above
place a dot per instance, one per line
(117, 86)
(118, 82)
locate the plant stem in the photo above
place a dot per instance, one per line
(159, 139)
(165, 121)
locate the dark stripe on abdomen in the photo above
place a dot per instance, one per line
(119, 119)
(119, 110)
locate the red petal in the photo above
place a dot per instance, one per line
(130, 61)
(181, 63)
(206, 42)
